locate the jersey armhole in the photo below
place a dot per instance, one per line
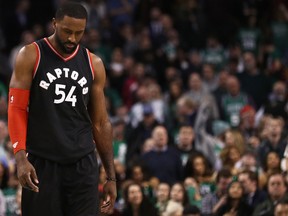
(90, 63)
(37, 59)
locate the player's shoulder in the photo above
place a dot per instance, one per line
(28, 51)
(95, 58)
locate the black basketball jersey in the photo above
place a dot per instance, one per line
(59, 126)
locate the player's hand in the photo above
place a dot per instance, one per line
(109, 194)
(26, 172)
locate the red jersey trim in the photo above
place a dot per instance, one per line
(37, 59)
(57, 53)
(90, 62)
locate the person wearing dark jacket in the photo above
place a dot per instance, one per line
(277, 192)
(253, 195)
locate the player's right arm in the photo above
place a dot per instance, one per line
(19, 92)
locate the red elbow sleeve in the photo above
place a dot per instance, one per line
(18, 117)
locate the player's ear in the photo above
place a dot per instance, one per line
(54, 22)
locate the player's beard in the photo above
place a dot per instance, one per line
(62, 46)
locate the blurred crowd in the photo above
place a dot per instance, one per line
(197, 94)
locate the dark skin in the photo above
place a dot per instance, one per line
(65, 39)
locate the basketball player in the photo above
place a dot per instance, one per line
(54, 140)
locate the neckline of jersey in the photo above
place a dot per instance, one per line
(58, 54)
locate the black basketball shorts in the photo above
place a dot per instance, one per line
(64, 190)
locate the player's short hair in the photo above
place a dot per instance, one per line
(71, 9)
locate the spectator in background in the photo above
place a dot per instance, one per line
(277, 191)
(234, 137)
(214, 53)
(179, 194)
(233, 101)
(136, 204)
(171, 96)
(221, 90)
(140, 175)
(275, 139)
(230, 155)
(171, 74)
(157, 101)
(253, 195)
(253, 81)
(185, 142)
(281, 208)
(202, 98)
(170, 46)
(198, 167)
(193, 190)
(121, 114)
(235, 204)
(162, 197)
(216, 141)
(145, 52)
(189, 114)
(209, 77)
(272, 62)
(119, 141)
(156, 26)
(235, 63)
(116, 69)
(271, 165)
(249, 36)
(248, 161)
(195, 64)
(247, 127)
(214, 200)
(137, 136)
(135, 76)
(163, 161)
(148, 145)
(279, 28)
(277, 103)
(145, 104)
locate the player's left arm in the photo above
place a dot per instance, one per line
(102, 132)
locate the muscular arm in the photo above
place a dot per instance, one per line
(102, 132)
(102, 129)
(20, 84)
(22, 79)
